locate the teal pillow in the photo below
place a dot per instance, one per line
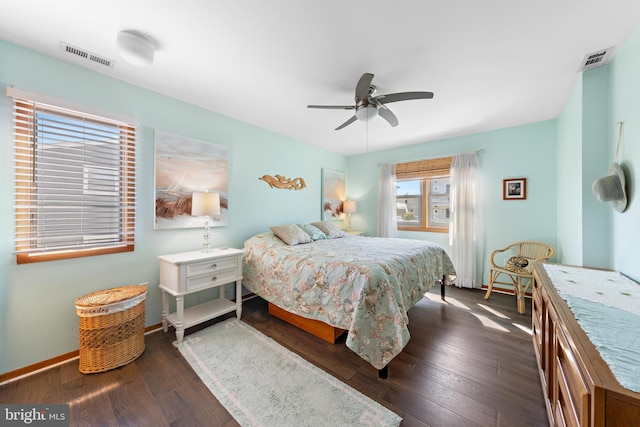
(314, 232)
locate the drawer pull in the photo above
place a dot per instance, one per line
(214, 279)
(214, 266)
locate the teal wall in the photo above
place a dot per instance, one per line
(583, 222)
(595, 215)
(590, 232)
(559, 158)
(527, 151)
(624, 106)
(569, 135)
(38, 318)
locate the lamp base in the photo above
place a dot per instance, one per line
(206, 246)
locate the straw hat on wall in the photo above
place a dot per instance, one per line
(612, 188)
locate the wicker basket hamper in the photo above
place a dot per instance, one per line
(111, 327)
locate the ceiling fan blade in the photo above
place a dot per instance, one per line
(347, 123)
(333, 107)
(362, 88)
(386, 114)
(403, 96)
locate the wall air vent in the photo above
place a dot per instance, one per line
(596, 59)
(86, 55)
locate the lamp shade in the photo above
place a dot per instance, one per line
(349, 206)
(205, 204)
(135, 48)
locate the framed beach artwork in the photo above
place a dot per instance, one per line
(514, 189)
(333, 194)
(183, 166)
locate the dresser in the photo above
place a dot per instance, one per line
(579, 385)
(188, 272)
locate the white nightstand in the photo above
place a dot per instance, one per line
(188, 272)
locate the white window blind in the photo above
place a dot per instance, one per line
(75, 183)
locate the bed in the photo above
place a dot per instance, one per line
(364, 285)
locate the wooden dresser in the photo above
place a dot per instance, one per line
(580, 388)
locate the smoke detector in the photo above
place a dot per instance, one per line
(135, 48)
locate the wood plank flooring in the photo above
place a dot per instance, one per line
(470, 362)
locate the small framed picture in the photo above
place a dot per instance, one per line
(514, 189)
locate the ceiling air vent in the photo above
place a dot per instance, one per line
(596, 59)
(86, 55)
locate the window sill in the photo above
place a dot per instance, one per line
(427, 230)
(28, 258)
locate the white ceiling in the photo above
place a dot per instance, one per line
(491, 63)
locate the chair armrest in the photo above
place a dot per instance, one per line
(497, 252)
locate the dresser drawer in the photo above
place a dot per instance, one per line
(211, 279)
(211, 266)
(536, 329)
(572, 392)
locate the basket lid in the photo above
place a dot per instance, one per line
(110, 296)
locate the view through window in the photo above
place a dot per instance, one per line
(423, 195)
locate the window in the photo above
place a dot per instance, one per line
(423, 195)
(75, 182)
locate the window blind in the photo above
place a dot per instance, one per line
(74, 182)
(430, 168)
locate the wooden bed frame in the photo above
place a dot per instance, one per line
(315, 327)
(323, 331)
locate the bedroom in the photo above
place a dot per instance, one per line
(38, 318)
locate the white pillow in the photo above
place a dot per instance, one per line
(291, 234)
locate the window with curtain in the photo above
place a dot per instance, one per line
(74, 180)
(423, 195)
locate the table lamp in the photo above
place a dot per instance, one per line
(205, 204)
(349, 207)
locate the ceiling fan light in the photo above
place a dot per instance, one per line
(135, 48)
(366, 112)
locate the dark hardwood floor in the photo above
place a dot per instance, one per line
(470, 362)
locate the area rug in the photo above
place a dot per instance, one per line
(261, 383)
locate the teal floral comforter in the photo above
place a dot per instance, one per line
(365, 285)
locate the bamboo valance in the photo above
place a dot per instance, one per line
(430, 168)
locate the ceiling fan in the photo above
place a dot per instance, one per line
(368, 106)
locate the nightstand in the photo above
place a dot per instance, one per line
(184, 273)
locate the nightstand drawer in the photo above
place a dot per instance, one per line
(210, 279)
(211, 266)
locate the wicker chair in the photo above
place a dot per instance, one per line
(517, 266)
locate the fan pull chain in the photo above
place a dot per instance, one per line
(366, 127)
(621, 124)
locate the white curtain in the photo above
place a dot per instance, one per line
(465, 237)
(387, 222)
